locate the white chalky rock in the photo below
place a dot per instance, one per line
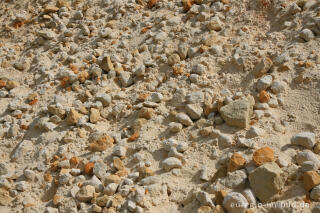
(254, 132)
(277, 86)
(236, 179)
(194, 111)
(303, 156)
(64, 178)
(22, 186)
(47, 34)
(111, 189)
(104, 98)
(156, 97)
(264, 83)
(171, 163)
(131, 206)
(182, 147)
(251, 198)
(168, 144)
(94, 181)
(235, 202)
(305, 139)
(184, 119)
(195, 98)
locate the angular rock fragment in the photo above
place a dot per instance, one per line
(86, 193)
(238, 113)
(266, 181)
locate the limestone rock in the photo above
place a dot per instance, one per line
(171, 163)
(73, 117)
(235, 202)
(94, 115)
(266, 181)
(184, 119)
(194, 111)
(305, 139)
(237, 113)
(85, 194)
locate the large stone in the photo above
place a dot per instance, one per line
(237, 113)
(235, 202)
(266, 181)
(305, 139)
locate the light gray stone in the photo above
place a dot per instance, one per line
(195, 98)
(125, 79)
(104, 98)
(254, 132)
(171, 163)
(277, 86)
(184, 119)
(264, 83)
(309, 166)
(248, 194)
(305, 139)
(236, 179)
(235, 202)
(303, 156)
